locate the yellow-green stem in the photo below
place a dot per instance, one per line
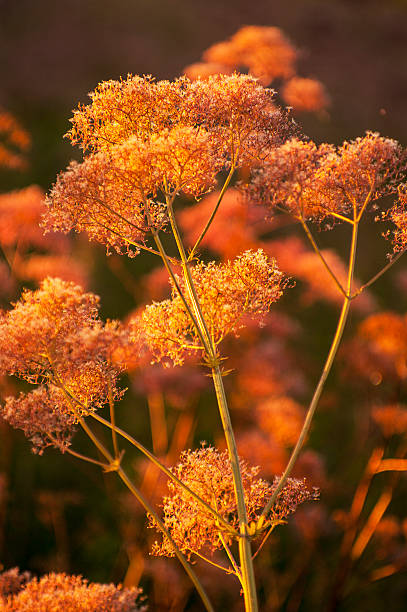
(321, 383)
(150, 510)
(248, 578)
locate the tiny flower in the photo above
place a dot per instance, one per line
(73, 594)
(247, 285)
(209, 474)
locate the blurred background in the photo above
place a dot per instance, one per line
(54, 512)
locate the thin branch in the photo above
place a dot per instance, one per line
(225, 569)
(379, 274)
(324, 375)
(215, 210)
(322, 258)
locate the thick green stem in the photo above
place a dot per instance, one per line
(248, 578)
(324, 375)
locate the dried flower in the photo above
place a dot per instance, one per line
(247, 285)
(53, 335)
(305, 94)
(74, 594)
(42, 413)
(288, 178)
(208, 473)
(398, 215)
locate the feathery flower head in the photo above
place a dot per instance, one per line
(209, 474)
(40, 325)
(102, 197)
(42, 413)
(73, 594)
(287, 178)
(361, 172)
(247, 285)
(398, 215)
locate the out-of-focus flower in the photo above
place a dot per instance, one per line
(282, 417)
(379, 349)
(264, 51)
(20, 214)
(74, 594)
(305, 94)
(398, 215)
(14, 142)
(391, 418)
(235, 228)
(208, 473)
(38, 267)
(247, 285)
(203, 70)
(305, 265)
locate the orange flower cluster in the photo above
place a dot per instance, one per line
(319, 182)
(73, 594)
(15, 141)
(145, 138)
(246, 286)
(53, 335)
(268, 55)
(208, 473)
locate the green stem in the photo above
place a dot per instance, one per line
(248, 579)
(150, 510)
(379, 274)
(322, 258)
(165, 470)
(324, 375)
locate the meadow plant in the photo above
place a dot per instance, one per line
(149, 147)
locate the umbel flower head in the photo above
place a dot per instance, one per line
(53, 335)
(145, 139)
(72, 593)
(227, 292)
(326, 182)
(209, 474)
